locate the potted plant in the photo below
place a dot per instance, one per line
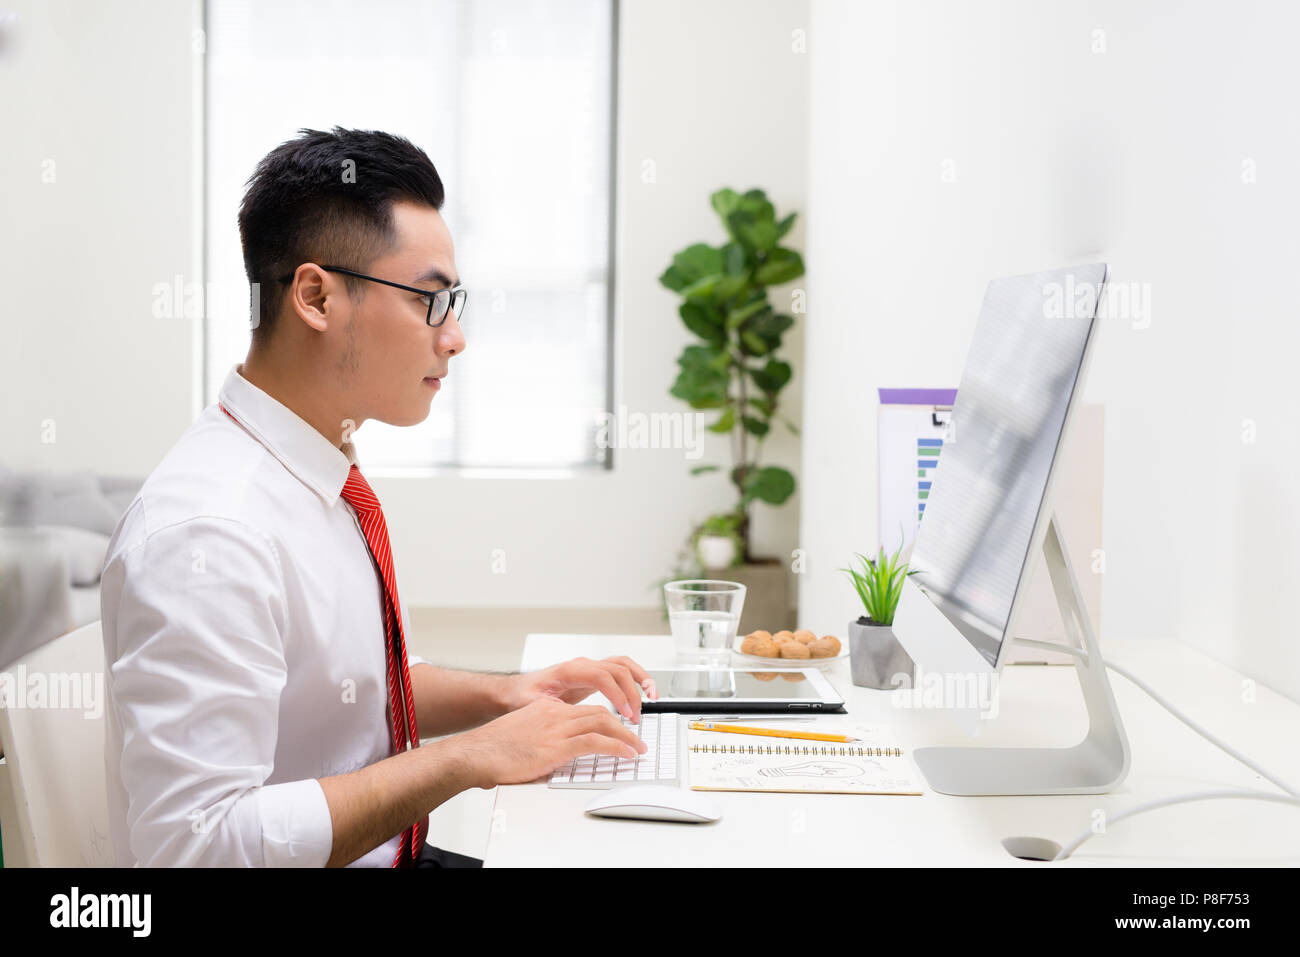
(732, 368)
(717, 542)
(876, 658)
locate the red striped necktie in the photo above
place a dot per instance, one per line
(357, 493)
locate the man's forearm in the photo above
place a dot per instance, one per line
(369, 806)
(448, 701)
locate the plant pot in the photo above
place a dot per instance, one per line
(876, 659)
(716, 551)
(767, 595)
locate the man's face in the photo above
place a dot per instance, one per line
(392, 361)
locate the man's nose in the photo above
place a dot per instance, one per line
(451, 340)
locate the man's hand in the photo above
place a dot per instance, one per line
(619, 679)
(534, 740)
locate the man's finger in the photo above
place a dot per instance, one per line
(605, 723)
(595, 743)
(624, 678)
(639, 673)
(604, 682)
(641, 676)
(582, 711)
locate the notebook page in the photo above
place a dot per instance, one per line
(874, 764)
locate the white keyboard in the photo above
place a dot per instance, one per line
(657, 766)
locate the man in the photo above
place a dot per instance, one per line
(263, 709)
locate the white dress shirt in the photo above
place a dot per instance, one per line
(244, 639)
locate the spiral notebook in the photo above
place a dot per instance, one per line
(873, 764)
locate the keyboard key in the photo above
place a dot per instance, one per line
(658, 763)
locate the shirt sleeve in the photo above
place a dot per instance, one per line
(194, 619)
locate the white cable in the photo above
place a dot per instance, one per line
(1079, 653)
(1200, 730)
(1071, 847)
(1292, 796)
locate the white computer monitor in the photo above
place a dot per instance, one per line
(989, 512)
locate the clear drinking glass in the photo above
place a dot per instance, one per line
(704, 614)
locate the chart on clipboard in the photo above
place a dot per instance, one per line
(912, 426)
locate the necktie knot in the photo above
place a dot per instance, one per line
(358, 493)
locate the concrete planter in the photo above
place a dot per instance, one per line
(876, 657)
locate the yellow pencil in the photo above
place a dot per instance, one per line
(770, 732)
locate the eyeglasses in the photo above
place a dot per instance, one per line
(441, 301)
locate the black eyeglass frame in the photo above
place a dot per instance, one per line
(456, 294)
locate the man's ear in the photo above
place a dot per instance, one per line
(310, 296)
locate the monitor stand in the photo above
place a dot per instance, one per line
(1095, 765)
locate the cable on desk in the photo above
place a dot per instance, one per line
(1292, 796)
(1200, 730)
(1071, 847)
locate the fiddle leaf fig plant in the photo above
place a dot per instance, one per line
(733, 367)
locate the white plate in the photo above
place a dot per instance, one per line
(757, 662)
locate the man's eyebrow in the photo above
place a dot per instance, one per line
(437, 275)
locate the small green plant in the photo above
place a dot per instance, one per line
(723, 525)
(880, 584)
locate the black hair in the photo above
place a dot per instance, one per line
(327, 198)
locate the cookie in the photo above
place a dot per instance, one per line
(824, 648)
(793, 649)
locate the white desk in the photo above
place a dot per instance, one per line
(534, 825)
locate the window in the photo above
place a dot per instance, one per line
(512, 100)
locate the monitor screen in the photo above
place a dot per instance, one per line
(1024, 361)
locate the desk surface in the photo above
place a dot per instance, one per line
(534, 825)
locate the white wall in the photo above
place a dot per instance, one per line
(99, 99)
(1060, 154)
(106, 91)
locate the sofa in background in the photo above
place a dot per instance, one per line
(54, 533)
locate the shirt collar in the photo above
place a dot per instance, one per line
(311, 457)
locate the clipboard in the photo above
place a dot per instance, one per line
(911, 427)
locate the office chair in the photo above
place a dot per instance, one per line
(55, 759)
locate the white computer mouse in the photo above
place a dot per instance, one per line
(655, 802)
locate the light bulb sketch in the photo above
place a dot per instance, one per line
(814, 769)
